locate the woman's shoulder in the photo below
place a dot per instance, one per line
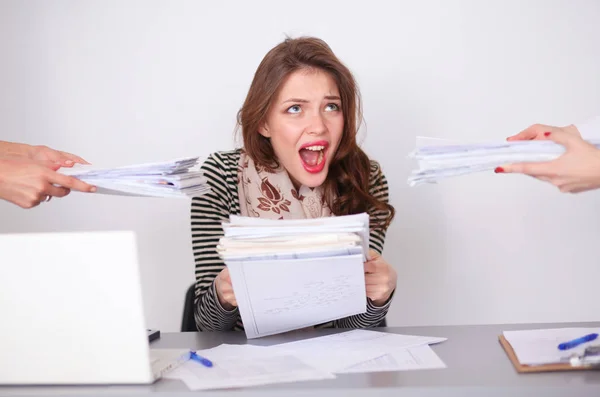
(376, 176)
(224, 161)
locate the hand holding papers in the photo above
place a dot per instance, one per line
(164, 179)
(443, 159)
(292, 274)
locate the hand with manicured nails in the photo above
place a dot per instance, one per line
(538, 132)
(380, 279)
(576, 170)
(44, 153)
(27, 183)
(225, 290)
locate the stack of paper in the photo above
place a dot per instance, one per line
(317, 358)
(444, 159)
(173, 178)
(292, 274)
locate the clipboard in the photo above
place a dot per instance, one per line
(589, 360)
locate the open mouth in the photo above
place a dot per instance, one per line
(313, 156)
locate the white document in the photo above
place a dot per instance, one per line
(412, 358)
(440, 159)
(339, 352)
(243, 366)
(540, 346)
(276, 296)
(293, 274)
(176, 178)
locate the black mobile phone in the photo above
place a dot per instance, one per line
(153, 334)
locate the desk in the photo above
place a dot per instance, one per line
(477, 366)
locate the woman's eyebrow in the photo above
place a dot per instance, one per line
(296, 100)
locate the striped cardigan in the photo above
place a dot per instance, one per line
(213, 208)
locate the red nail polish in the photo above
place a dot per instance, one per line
(546, 133)
(499, 170)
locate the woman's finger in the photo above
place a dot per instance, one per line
(70, 182)
(375, 279)
(545, 169)
(225, 276)
(576, 187)
(531, 132)
(74, 158)
(57, 191)
(370, 267)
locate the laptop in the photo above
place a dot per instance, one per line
(71, 311)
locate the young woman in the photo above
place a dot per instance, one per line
(300, 159)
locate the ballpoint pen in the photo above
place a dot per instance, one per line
(202, 360)
(576, 342)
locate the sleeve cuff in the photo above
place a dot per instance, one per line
(228, 313)
(372, 308)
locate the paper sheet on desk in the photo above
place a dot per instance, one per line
(243, 366)
(340, 352)
(412, 358)
(540, 346)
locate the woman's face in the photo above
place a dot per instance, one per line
(305, 125)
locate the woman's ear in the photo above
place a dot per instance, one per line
(264, 130)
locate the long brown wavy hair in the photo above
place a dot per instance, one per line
(346, 188)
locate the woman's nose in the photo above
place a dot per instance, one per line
(317, 125)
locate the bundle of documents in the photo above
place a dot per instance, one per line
(316, 358)
(173, 178)
(439, 159)
(292, 274)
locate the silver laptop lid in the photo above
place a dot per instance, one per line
(71, 308)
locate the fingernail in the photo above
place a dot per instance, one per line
(546, 133)
(499, 170)
(68, 162)
(93, 189)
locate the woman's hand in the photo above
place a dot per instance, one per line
(380, 279)
(27, 183)
(44, 153)
(538, 132)
(225, 290)
(576, 170)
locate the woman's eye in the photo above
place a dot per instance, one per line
(332, 107)
(294, 109)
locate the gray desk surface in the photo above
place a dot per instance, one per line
(476, 366)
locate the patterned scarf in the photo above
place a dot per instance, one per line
(272, 195)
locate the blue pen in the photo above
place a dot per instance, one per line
(204, 361)
(576, 342)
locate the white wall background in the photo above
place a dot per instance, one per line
(121, 82)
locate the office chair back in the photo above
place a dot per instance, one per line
(188, 322)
